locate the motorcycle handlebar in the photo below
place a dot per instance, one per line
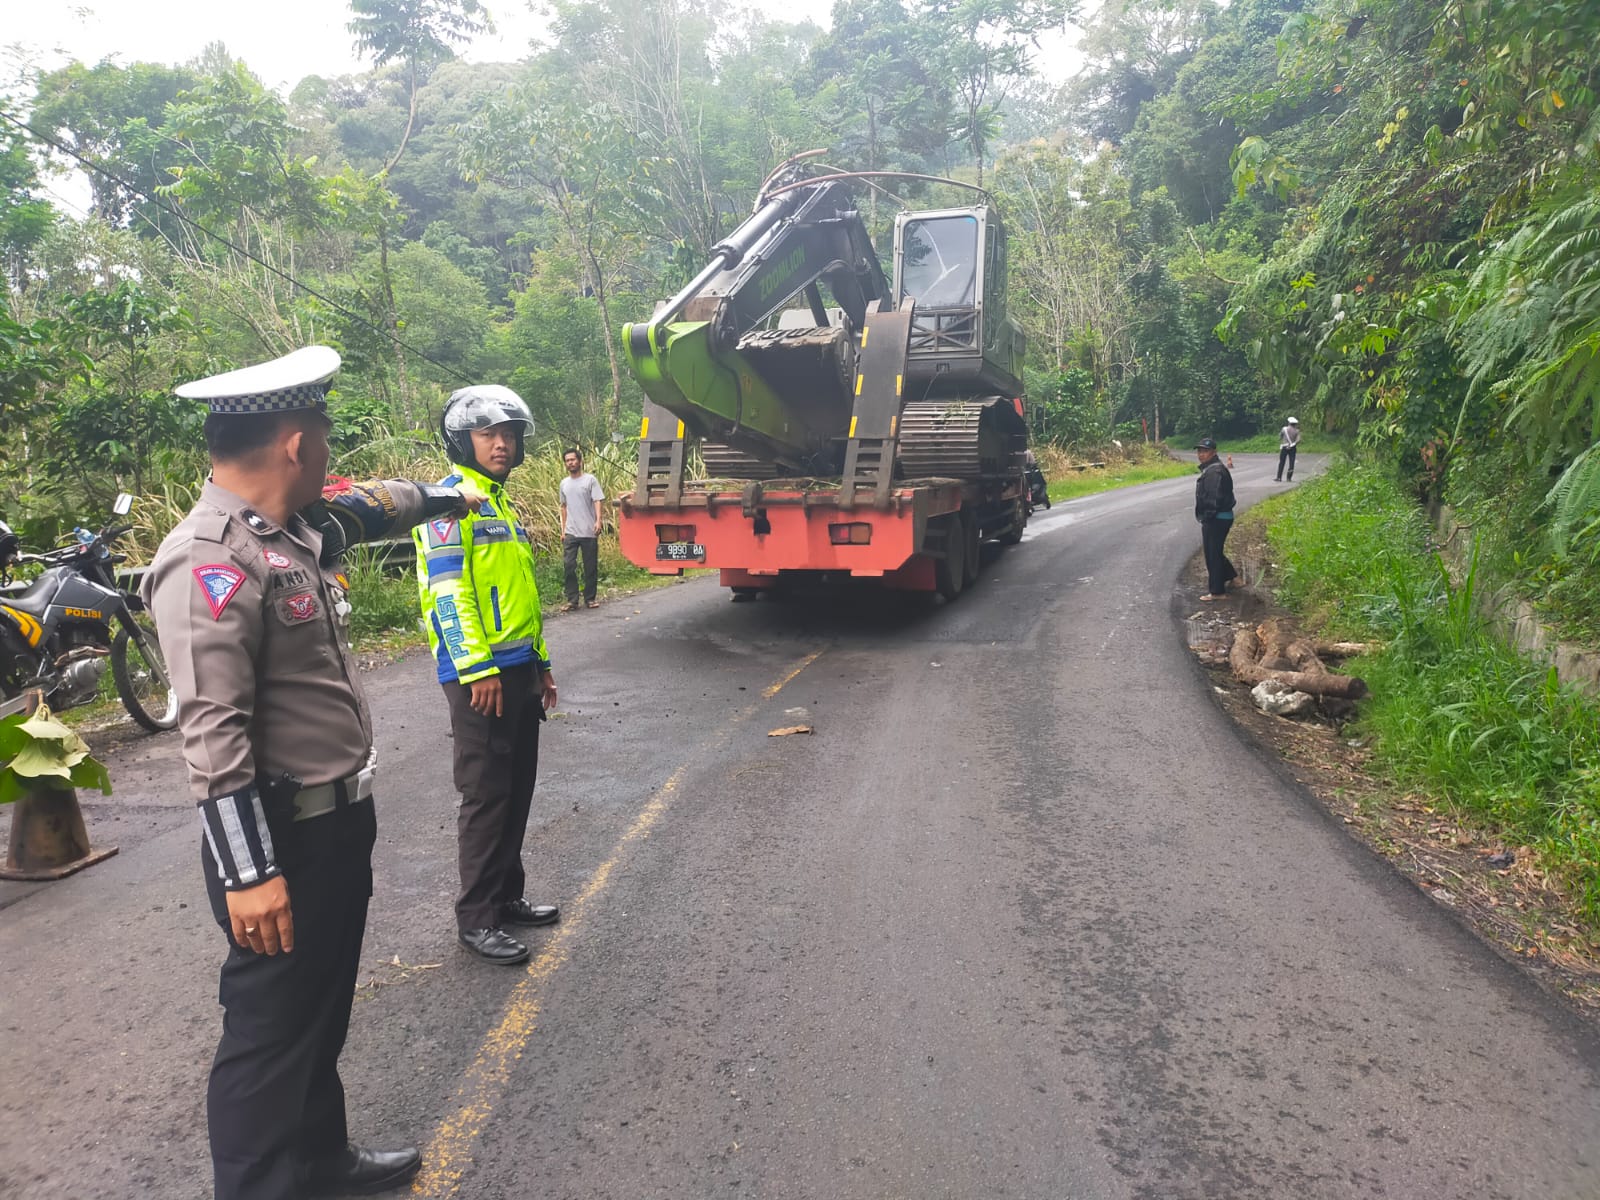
(59, 555)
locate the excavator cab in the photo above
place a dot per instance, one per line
(952, 264)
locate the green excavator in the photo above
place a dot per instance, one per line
(792, 355)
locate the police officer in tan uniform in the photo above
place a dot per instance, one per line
(278, 740)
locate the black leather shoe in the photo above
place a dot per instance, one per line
(358, 1172)
(493, 945)
(520, 912)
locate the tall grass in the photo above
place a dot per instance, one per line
(534, 486)
(1348, 545)
(381, 600)
(384, 601)
(1453, 711)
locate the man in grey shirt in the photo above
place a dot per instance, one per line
(582, 510)
(1288, 447)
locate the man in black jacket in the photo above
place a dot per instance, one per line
(1213, 508)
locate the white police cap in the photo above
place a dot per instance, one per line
(295, 381)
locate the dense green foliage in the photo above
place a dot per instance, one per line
(1376, 214)
(1452, 711)
(1435, 285)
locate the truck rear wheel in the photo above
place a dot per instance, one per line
(970, 552)
(950, 571)
(1019, 522)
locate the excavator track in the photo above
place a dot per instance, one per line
(724, 462)
(960, 439)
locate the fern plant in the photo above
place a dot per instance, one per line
(1530, 336)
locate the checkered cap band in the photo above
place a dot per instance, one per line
(307, 395)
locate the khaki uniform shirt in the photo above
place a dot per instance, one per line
(253, 631)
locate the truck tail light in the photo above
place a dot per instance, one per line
(853, 533)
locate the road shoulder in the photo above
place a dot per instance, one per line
(1517, 909)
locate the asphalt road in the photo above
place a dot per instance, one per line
(1023, 918)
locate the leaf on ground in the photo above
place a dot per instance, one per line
(790, 730)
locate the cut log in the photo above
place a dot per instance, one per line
(1344, 649)
(1303, 657)
(1245, 661)
(1276, 636)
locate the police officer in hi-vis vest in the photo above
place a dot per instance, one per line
(251, 612)
(481, 606)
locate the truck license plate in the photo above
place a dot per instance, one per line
(680, 552)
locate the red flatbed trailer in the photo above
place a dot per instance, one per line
(923, 536)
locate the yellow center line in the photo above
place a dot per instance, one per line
(449, 1155)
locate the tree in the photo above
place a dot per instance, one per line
(649, 66)
(417, 33)
(115, 432)
(109, 114)
(577, 158)
(1069, 261)
(875, 92)
(1134, 49)
(557, 349)
(32, 356)
(983, 49)
(233, 137)
(24, 217)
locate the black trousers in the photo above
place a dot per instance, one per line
(590, 549)
(1213, 533)
(496, 765)
(275, 1101)
(1286, 455)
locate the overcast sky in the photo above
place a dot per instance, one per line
(282, 40)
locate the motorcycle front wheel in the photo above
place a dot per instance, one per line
(140, 674)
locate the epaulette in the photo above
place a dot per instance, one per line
(215, 525)
(209, 525)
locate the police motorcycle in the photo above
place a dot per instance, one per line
(60, 631)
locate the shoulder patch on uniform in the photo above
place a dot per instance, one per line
(220, 583)
(443, 531)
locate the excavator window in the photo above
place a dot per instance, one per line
(940, 262)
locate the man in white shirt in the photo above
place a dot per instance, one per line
(1288, 444)
(582, 513)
